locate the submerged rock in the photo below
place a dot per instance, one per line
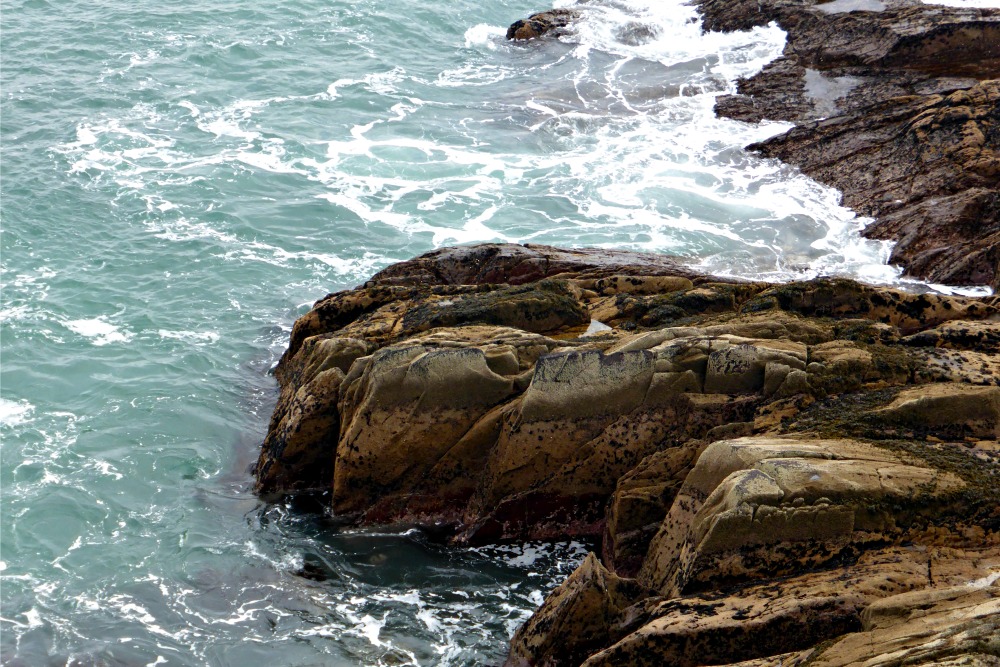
(761, 463)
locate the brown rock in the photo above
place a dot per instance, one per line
(896, 103)
(757, 621)
(761, 625)
(542, 23)
(958, 410)
(756, 507)
(406, 416)
(299, 451)
(957, 626)
(579, 617)
(489, 412)
(506, 263)
(959, 335)
(944, 365)
(641, 500)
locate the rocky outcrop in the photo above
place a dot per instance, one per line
(875, 607)
(951, 627)
(552, 21)
(767, 468)
(897, 104)
(761, 507)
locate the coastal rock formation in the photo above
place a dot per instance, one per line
(897, 104)
(766, 468)
(552, 21)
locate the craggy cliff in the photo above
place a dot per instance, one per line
(767, 467)
(806, 473)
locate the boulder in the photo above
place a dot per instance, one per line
(758, 621)
(761, 624)
(542, 23)
(512, 264)
(412, 420)
(640, 501)
(300, 447)
(955, 409)
(960, 335)
(760, 463)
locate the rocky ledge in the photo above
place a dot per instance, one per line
(897, 104)
(775, 474)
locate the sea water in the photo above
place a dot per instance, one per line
(181, 180)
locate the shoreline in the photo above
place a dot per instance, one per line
(899, 109)
(776, 473)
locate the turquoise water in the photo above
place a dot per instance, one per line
(181, 180)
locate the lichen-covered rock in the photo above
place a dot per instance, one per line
(641, 499)
(725, 442)
(773, 620)
(512, 264)
(756, 507)
(301, 442)
(780, 616)
(963, 410)
(764, 625)
(959, 335)
(956, 626)
(411, 422)
(579, 617)
(953, 239)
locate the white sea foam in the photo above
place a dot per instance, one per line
(532, 554)
(985, 582)
(100, 330)
(33, 618)
(12, 313)
(196, 337)
(15, 413)
(948, 289)
(105, 468)
(485, 35)
(633, 154)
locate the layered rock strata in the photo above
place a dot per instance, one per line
(775, 474)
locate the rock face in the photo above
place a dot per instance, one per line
(897, 104)
(767, 468)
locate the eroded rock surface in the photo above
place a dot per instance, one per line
(767, 468)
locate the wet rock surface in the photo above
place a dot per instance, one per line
(897, 104)
(553, 22)
(770, 470)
